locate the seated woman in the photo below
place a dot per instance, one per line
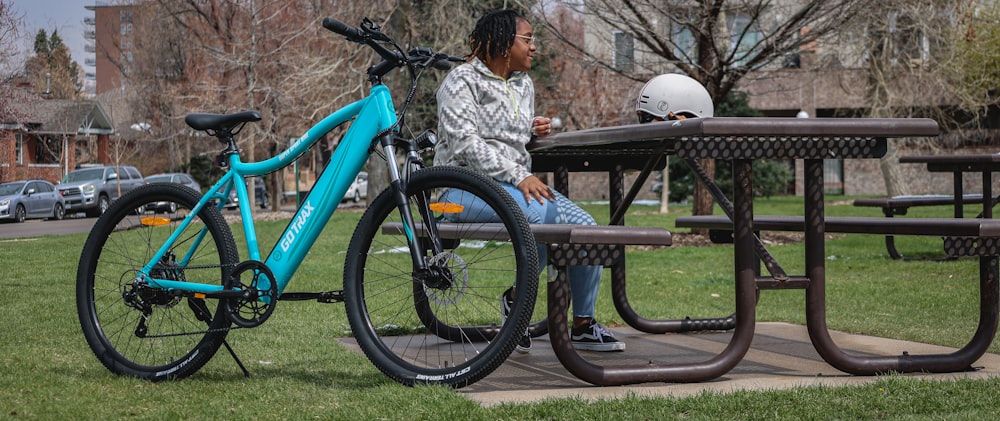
(485, 119)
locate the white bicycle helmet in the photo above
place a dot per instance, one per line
(673, 93)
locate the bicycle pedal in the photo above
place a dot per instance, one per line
(331, 297)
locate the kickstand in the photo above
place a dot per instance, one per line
(246, 373)
(201, 313)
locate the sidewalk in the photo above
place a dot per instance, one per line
(781, 357)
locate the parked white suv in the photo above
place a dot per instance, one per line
(92, 189)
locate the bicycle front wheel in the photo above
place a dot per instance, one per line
(442, 326)
(137, 330)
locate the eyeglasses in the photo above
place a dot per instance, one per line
(530, 39)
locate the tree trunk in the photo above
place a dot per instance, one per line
(895, 185)
(665, 189)
(703, 202)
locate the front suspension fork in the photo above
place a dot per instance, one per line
(398, 186)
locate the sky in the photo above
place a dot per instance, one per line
(66, 16)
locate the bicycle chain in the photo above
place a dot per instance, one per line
(201, 332)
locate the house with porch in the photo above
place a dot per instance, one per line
(47, 138)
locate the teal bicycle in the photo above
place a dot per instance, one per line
(158, 290)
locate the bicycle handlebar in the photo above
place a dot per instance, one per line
(370, 34)
(353, 34)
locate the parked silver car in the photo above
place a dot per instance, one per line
(358, 189)
(20, 200)
(92, 189)
(176, 178)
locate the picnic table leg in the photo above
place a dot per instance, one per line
(819, 334)
(987, 194)
(650, 371)
(617, 200)
(959, 194)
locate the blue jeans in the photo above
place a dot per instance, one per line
(584, 281)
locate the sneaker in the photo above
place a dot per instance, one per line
(506, 302)
(595, 337)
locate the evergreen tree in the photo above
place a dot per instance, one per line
(52, 69)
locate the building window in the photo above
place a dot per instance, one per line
(833, 176)
(744, 37)
(623, 56)
(684, 45)
(48, 150)
(910, 43)
(19, 148)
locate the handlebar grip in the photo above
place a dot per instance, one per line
(352, 33)
(444, 61)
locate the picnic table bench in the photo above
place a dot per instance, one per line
(958, 165)
(567, 244)
(898, 205)
(947, 228)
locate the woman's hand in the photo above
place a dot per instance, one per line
(541, 126)
(533, 188)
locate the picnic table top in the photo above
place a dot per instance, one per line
(741, 126)
(990, 158)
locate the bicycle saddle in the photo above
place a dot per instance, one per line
(220, 122)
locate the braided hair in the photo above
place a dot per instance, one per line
(494, 34)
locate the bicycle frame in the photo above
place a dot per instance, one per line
(372, 115)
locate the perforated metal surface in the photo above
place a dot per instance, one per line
(792, 147)
(972, 246)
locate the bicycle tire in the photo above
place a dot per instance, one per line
(419, 333)
(145, 332)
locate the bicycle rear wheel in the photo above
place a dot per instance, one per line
(444, 328)
(136, 330)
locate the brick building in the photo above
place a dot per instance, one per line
(46, 138)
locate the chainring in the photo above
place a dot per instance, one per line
(256, 304)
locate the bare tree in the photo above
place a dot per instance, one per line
(915, 43)
(976, 56)
(275, 57)
(11, 25)
(270, 56)
(717, 42)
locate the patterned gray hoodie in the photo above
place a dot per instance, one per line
(484, 122)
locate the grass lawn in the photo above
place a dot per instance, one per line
(300, 370)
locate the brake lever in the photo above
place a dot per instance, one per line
(373, 31)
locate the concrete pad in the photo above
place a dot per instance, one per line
(781, 357)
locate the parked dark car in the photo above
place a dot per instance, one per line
(20, 200)
(260, 195)
(92, 189)
(176, 178)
